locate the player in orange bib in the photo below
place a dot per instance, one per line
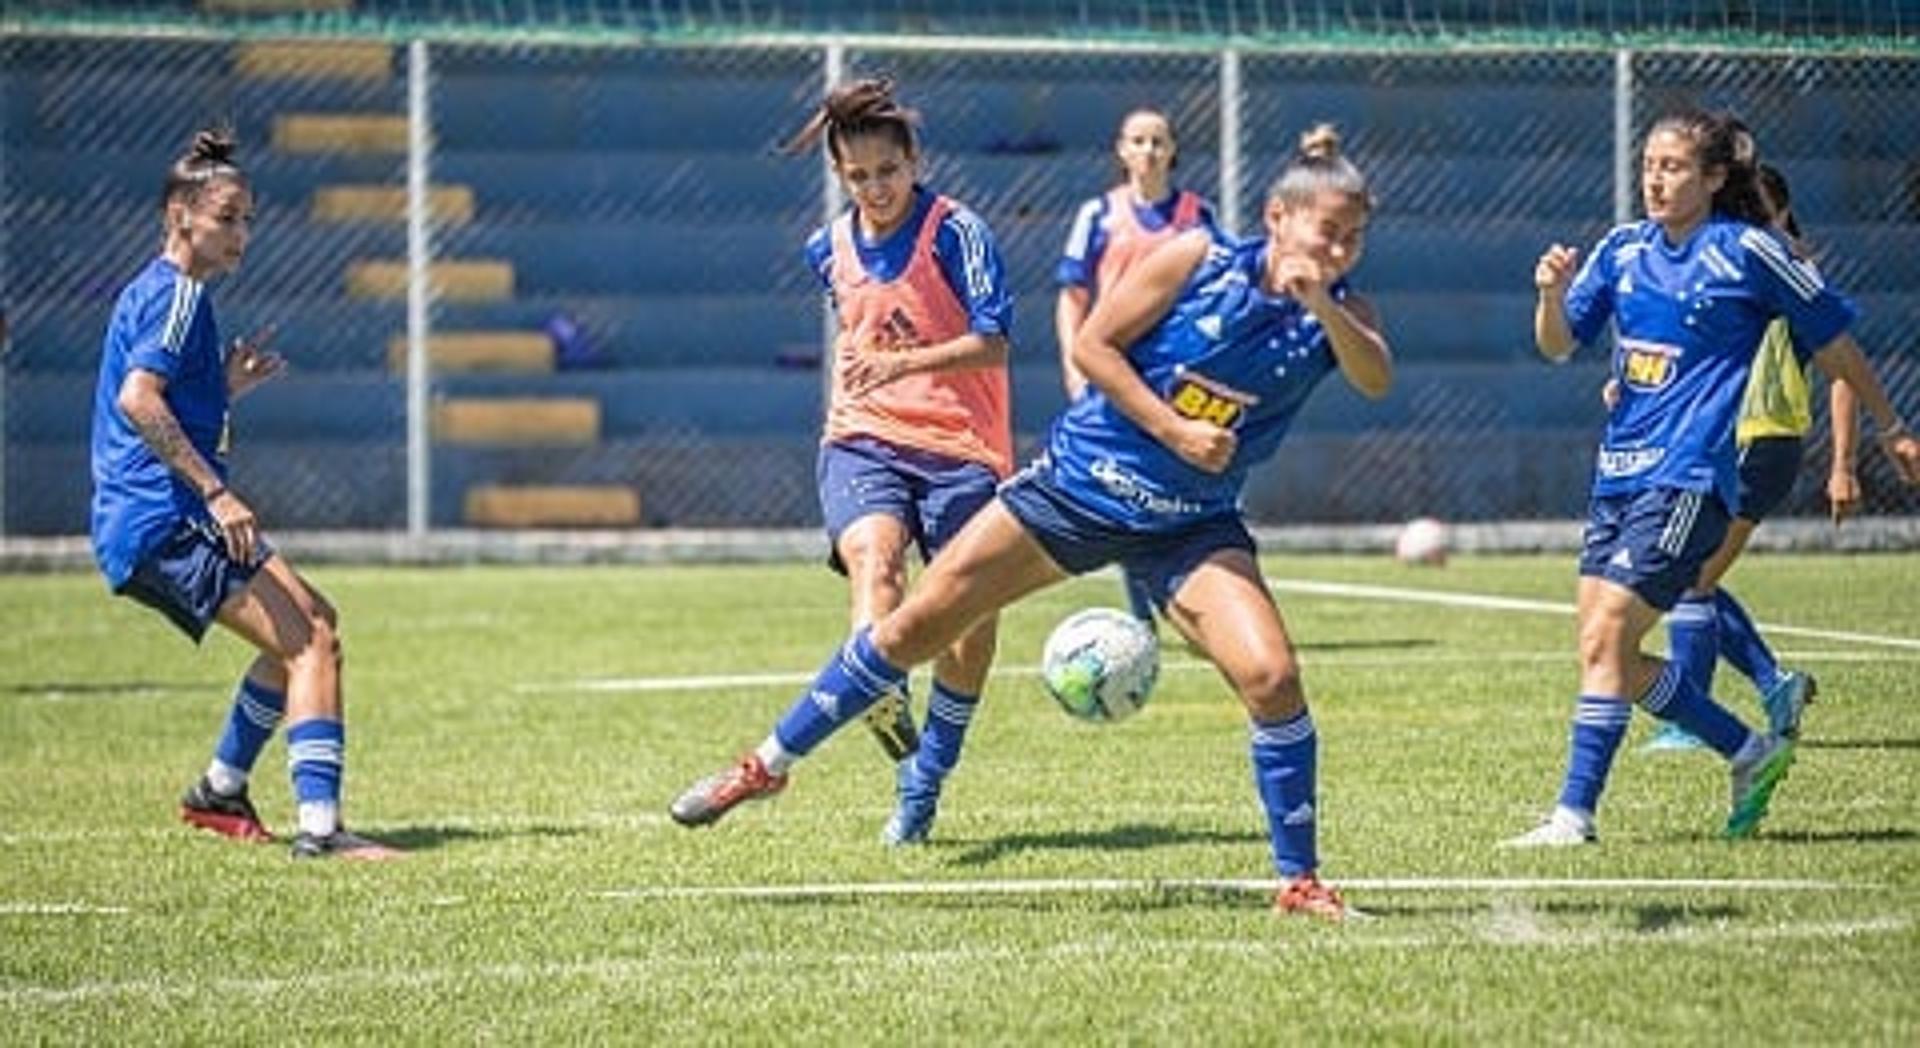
(918, 430)
(1113, 231)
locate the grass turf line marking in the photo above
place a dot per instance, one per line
(1491, 603)
(1089, 886)
(1162, 952)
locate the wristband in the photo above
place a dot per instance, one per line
(218, 490)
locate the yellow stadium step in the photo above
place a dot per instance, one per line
(473, 280)
(553, 506)
(340, 133)
(517, 420)
(451, 205)
(330, 59)
(275, 7)
(516, 351)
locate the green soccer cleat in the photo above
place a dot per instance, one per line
(1754, 781)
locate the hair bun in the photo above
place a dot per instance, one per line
(1320, 142)
(214, 145)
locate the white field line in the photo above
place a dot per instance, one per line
(58, 909)
(1166, 953)
(1090, 886)
(1490, 603)
(1309, 658)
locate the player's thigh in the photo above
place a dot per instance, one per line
(993, 562)
(1225, 609)
(276, 612)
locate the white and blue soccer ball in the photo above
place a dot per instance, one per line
(1100, 664)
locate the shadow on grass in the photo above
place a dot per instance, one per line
(429, 837)
(1884, 835)
(132, 688)
(1860, 744)
(1127, 837)
(1381, 644)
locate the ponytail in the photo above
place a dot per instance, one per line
(863, 107)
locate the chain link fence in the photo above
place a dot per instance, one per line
(623, 329)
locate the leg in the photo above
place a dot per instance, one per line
(873, 552)
(992, 562)
(296, 629)
(959, 677)
(1225, 608)
(1693, 632)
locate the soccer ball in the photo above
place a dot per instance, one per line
(1422, 541)
(1100, 664)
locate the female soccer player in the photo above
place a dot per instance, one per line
(1691, 290)
(1198, 363)
(919, 430)
(1775, 414)
(1111, 233)
(168, 531)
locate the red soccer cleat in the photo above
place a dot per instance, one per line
(710, 798)
(1306, 895)
(229, 816)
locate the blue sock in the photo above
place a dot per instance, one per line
(1741, 644)
(948, 714)
(1599, 723)
(1693, 639)
(1139, 597)
(851, 681)
(256, 711)
(1674, 698)
(1284, 757)
(316, 752)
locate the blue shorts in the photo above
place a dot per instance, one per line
(1768, 468)
(932, 495)
(189, 575)
(1080, 540)
(1653, 542)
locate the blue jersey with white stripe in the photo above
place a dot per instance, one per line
(1689, 318)
(968, 256)
(163, 323)
(1227, 352)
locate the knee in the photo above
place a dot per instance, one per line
(1600, 641)
(322, 642)
(1275, 692)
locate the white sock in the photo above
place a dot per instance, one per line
(319, 818)
(226, 779)
(775, 756)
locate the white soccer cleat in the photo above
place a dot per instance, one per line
(1565, 828)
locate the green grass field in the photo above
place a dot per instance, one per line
(517, 730)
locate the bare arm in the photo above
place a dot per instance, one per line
(1069, 313)
(1842, 360)
(1843, 478)
(1142, 297)
(1353, 327)
(1551, 277)
(142, 400)
(869, 371)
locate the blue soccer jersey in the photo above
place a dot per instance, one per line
(163, 323)
(1227, 352)
(964, 247)
(1689, 318)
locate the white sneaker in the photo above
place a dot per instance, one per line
(1564, 828)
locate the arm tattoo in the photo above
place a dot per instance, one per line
(167, 440)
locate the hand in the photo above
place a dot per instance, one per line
(237, 525)
(250, 363)
(1302, 277)
(865, 372)
(1904, 449)
(1843, 495)
(1555, 269)
(1610, 394)
(1203, 445)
